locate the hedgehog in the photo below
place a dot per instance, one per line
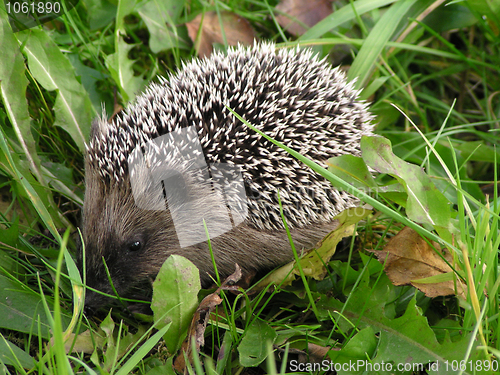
(177, 161)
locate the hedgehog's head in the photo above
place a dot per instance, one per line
(138, 210)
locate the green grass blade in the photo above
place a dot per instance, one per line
(345, 14)
(142, 352)
(397, 45)
(377, 40)
(11, 354)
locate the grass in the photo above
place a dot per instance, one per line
(434, 84)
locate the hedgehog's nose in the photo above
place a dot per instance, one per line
(93, 302)
(89, 308)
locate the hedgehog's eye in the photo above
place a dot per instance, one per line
(135, 246)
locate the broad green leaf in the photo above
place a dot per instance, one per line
(425, 204)
(359, 348)
(11, 354)
(409, 339)
(450, 16)
(253, 346)
(160, 18)
(175, 298)
(8, 264)
(120, 67)
(478, 151)
(53, 70)
(406, 339)
(353, 170)
(362, 301)
(125, 7)
(118, 63)
(21, 309)
(59, 177)
(409, 146)
(488, 8)
(13, 85)
(349, 274)
(108, 327)
(100, 12)
(10, 235)
(166, 369)
(90, 79)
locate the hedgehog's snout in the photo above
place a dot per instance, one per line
(98, 287)
(94, 273)
(93, 302)
(93, 299)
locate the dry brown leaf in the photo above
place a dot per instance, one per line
(408, 258)
(307, 12)
(314, 354)
(317, 353)
(199, 322)
(236, 29)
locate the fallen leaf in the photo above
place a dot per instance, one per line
(312, 262)
(314, 354)
(236, 29)
(409, 260)
(299, 12)
(317, 353)
(85, 342)
(231, 279)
